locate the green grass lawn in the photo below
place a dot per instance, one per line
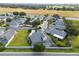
(20, 38)
(17, 50)
(75, 42)
(74, 23)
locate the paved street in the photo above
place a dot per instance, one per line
(72, 18)
(36, 54)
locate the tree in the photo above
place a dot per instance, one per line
(22, 13)
(27, 21)
(2, 44)
(39, 47)
(29, 31)
(8, 20)
(46, 15)
(1, 22)
(63, 8)
(36, 23)
(70, 29)
(64, 18)
(1, 47)
(56, 16)
(7, 26)
(16, 13)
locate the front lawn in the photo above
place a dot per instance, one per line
(17, 50)
(20, 38)
(75, 42)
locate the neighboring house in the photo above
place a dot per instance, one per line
(2, 31)
(44, 26)
(33, 19)
(9, 35)
(14, 23)
(3, 40)
(59, 22)
(57, 29)
(22, 20)
(36, 17)
(3, 19)
(10, 14)
(30, 15)
(58, 33)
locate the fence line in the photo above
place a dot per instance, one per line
(20, 47)
(58, 47)
(30, 47)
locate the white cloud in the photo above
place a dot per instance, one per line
(40, 1)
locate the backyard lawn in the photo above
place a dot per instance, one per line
(74, 23)
(20, 38)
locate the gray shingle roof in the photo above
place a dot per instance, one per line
(59, 22)
(57, 29)
(58, 32)
(2, 31)
(9, 34)
(35, 37)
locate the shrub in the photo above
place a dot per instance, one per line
(39, 47)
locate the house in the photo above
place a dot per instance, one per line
(2, 31)
(10, 14)
(41, 18)
(18, 22)
(36, 17)
(33, 19)
(22, 20)
(57, 29)
(14, 23)
(44, 26)
(3, 19)
(59, 22)
(9, 35)
(61, 27)
(3, 40)
(35, 37)
(38, 36)
(58, 33)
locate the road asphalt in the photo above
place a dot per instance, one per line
(37, 54)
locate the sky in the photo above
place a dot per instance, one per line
(42, 1)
